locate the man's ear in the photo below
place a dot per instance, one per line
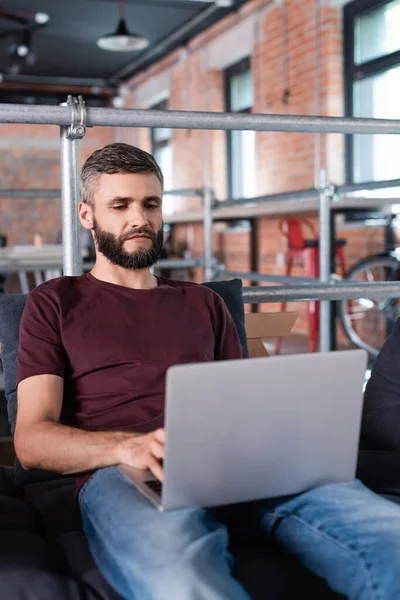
(85, 212)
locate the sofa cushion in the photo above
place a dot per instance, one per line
(11, 309)
(231, 293)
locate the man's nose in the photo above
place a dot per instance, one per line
(137, 217)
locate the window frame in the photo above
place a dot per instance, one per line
(357, 72)
(239, 67)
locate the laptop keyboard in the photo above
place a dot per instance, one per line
(155, 485)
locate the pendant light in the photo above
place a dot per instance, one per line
(122, 40)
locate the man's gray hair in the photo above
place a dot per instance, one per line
(115, 158)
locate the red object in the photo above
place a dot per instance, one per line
(308, 251)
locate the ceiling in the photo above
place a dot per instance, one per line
(66, 50)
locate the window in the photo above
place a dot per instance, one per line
(372, 81)
(241, 144)
(161, 148)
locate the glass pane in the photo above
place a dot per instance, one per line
(376, 157)
(376, 32)
(243, 163)
(163, 157)
(241, 91)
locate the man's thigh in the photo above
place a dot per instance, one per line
(343, 511)
(117, 515)
(144, 552)
(343, 532)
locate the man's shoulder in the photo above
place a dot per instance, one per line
(177, 283)
(56, 288)
(190, 286)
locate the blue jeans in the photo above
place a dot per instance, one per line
(342, 532)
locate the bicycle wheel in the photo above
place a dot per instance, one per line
(366, 321)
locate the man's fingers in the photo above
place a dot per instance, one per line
(157, 449)
(156, 469)
(159, 435)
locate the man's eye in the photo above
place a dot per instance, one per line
(119, 207)
(152, 205)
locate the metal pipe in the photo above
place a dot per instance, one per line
(236, 121)
(54, 193)
(172, 263)
(295, 195)
(310, 193)
(72, 255)
(208, 233)
(30, 194)
(339, 291)
(23, 282)
(29, 267)
(112, 117)
(15, 266)
(317, 91)
(368, 185)
(188, 192)
(281, 197)
(284, 279)
(325, 314)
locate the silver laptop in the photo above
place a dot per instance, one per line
(258, 428)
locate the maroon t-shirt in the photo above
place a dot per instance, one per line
(113, 345)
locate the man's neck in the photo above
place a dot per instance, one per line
(140, 279)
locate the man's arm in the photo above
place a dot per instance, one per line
(41, 441)
(44, 443)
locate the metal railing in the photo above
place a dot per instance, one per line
(322, 292)
(74, 118)
(34, 193)
(127, 117)
(310, 193)
(13, 264)
(329, 195)
(264, 277)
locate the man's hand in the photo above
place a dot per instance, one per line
(144, 452)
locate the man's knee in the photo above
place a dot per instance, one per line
(349, 499)
(348, 512)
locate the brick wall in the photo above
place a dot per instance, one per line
(30, 158)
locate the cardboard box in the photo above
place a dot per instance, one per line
(261, 326)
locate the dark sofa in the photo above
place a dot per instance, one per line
(43, 551)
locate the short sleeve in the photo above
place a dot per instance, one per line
(227, 342)
(40, 349)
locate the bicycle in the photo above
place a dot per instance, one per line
(366, 321)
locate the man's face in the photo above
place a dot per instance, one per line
(127, 219)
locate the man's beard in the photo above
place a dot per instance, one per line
(111, 246)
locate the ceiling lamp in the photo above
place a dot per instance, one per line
(41, 18)
(122, 40)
